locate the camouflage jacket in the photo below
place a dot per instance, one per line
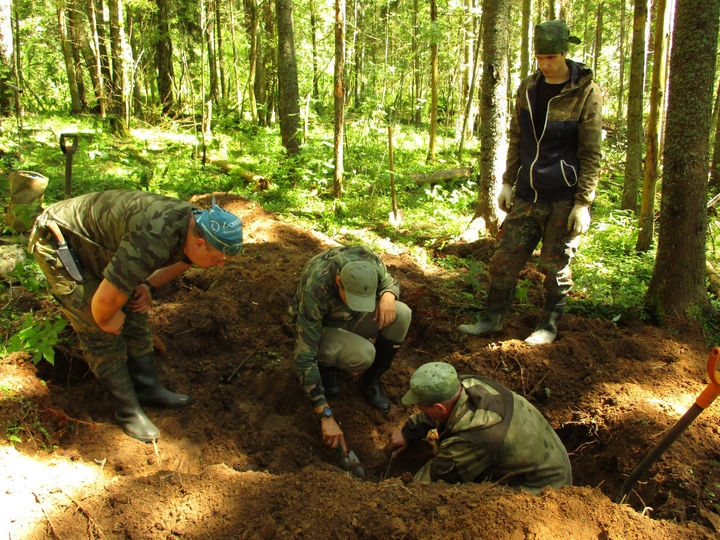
(123, 236)
(317, 304)
(563, 163)
(492, 434)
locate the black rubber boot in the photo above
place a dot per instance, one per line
(128, 412)
(328, 376)
(385, 351)
(496, 311)
(546, 331)
(150, 392)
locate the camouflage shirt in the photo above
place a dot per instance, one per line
(493, 434)
(123, 236)
(317, 304)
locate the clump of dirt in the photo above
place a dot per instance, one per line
(245, 460)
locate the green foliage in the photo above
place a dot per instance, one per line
(37, 337)
(28, 424)
(611, 278)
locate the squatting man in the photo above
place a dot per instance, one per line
(345, 298)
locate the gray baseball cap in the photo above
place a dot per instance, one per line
(360, 281)
(434, 382)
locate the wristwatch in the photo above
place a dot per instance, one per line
(325, 413)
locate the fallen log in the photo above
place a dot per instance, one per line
(441, 176)
(713, 278)
(261, 183)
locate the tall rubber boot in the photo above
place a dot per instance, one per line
(546, 331)
(496, 311)
(385, 351)
(328, 376)
(150, 392)
(128, 412)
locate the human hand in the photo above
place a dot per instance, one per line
(505, 197)
(397, 443)
(385, 311)
(332, 434)
(579, 220)
(141, 299)
(115, 324)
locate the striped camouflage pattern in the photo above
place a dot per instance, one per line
(493, 434)
(523, 228)
(317, 304)
(123, 236)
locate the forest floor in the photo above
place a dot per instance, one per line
(245, 460)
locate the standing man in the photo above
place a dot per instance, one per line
(346, 297)
(553, 161)
(125, 244)
(486, 432)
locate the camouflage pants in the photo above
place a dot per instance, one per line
(101, 349)
(524, 227)
(350, 349)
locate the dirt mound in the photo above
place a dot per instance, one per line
(245, 460)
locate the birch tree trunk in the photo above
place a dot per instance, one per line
(252, 26)
(677, 285)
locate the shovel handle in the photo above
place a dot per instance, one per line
(712, 390)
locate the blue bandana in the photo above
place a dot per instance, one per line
(222, 229)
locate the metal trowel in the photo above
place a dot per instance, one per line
(350, 463)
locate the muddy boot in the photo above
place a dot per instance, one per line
(128, 412)
(385, 351)
(496, 310)
(547, 329)
(150, 392)
(328, 375)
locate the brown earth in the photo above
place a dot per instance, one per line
(245, 460)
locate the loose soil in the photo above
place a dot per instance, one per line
(245, 460)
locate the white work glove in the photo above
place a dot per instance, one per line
(504, 199)
(579, 220)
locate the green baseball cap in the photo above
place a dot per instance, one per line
(360, 281)
(552, 37)
(434, 382)
(222, 229)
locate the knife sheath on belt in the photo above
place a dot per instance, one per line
(65, 254)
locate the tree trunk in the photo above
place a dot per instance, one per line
(525, 40)
(163, 58)
(434, 82)
(417, 109)
(316, 74)
(288, 96)
(120, 123)
(633, 160)
(214, 93)
(252, 26)
(74, 24)
(677, 285)
(96, 67)
(219, 48)
(339, 94)
(236, 74)
(647, 211)
(17, 68)
(598, 39)
(75, 105)
(621, 65)
(493, 109)
(715, 165)
(6, 57)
